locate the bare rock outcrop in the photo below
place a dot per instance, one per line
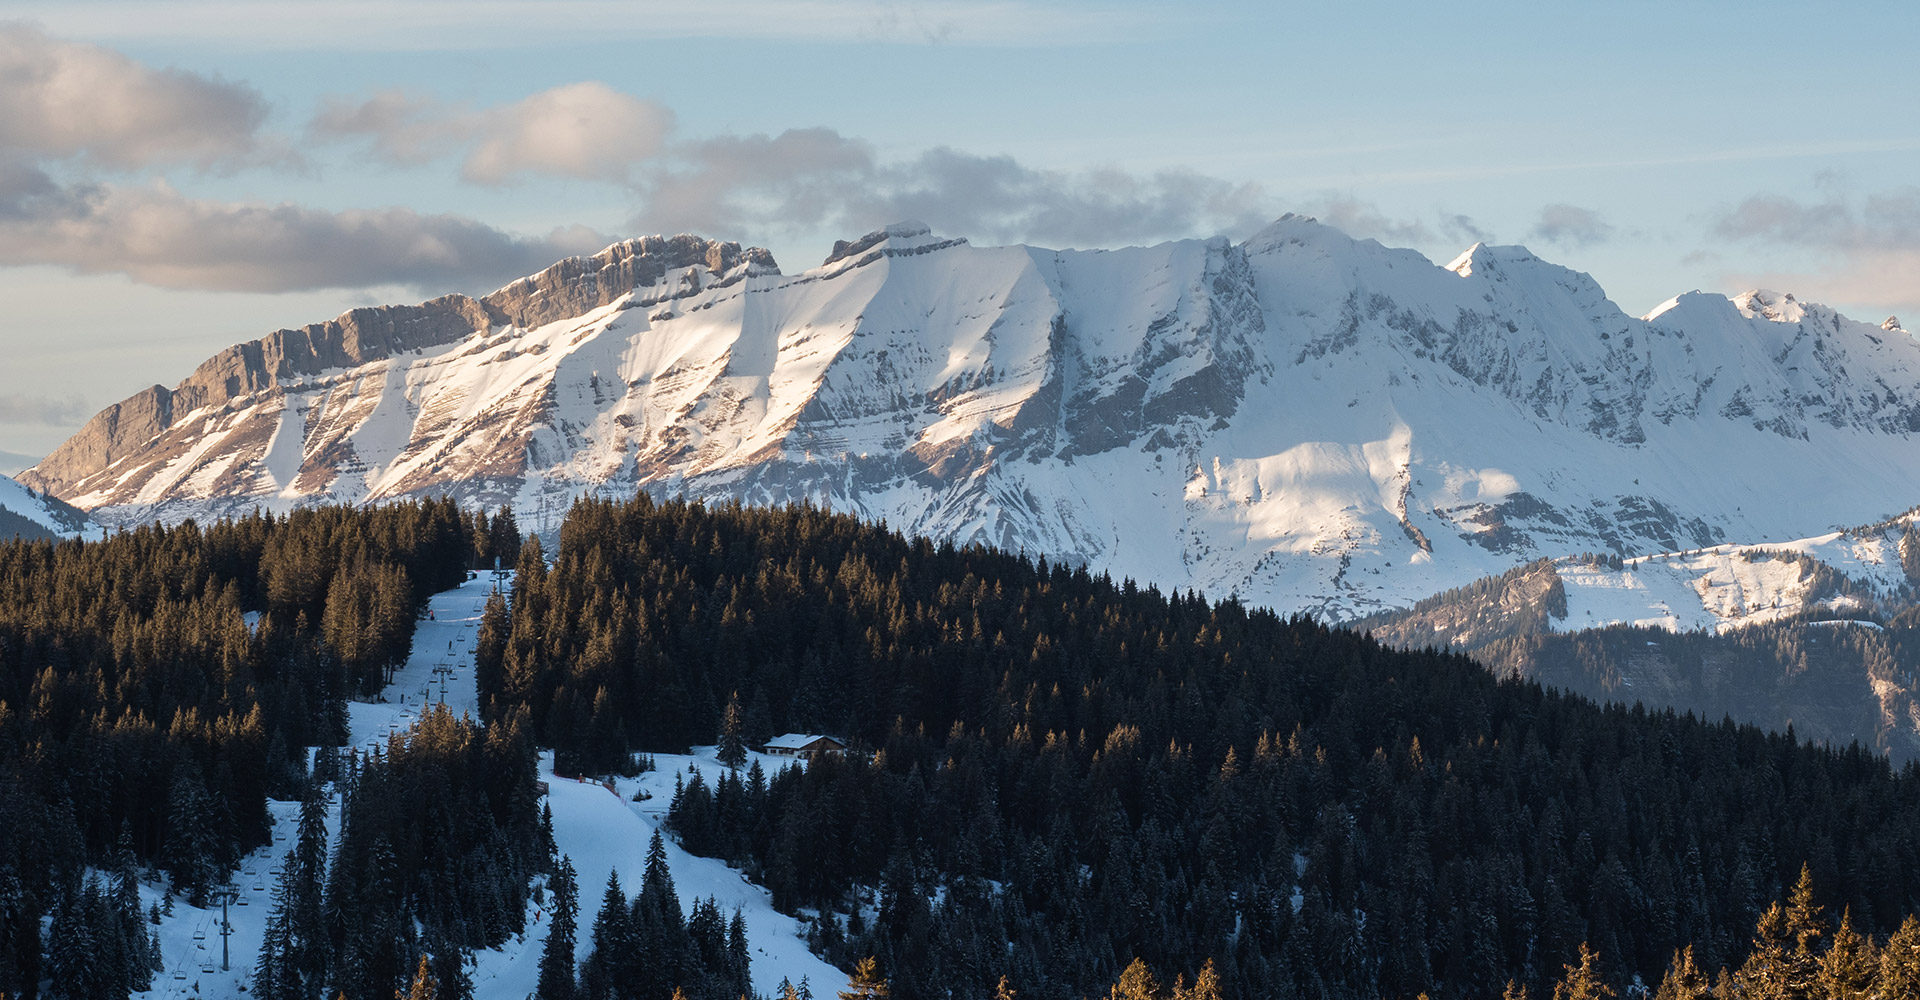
(572, 287)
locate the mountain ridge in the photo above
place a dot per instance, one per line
(1303, 420)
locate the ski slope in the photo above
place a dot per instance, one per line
(602, 831)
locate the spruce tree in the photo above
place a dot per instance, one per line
(556, 959)
(866, 983)
(613, 945)
(1768, 970)
(426, 986)
(1137, 982)
(1582, 981)
(733, 746)
(1850, 968)
(305, 874)
(1684, 980)
(1900, 961)
(191, 847)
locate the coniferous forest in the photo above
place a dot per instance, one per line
(1061, 785)
(1067, 773)
(157, 687)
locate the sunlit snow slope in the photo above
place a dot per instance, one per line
(1305, 420)
(599, 830)
(26, 514)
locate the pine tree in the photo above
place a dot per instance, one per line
(1804, 928)
(191, 847)
(1850, 969)
(1137, 982)
(1900, 961)
(556, 960)
(1769, 966)
(72, 941)
(1206, 985)
(866, 983)
(1583, 982)
(305, 876)
(733, 747)
(1684, 980)
(613, 945)
(425, 985)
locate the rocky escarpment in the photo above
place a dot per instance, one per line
(568, 289)
(1302, 419)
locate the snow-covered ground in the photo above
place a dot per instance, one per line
(55, 517)
(602, 831)
(1729, 586)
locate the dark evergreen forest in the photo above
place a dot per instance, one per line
(157, 687)
(1061, 785)
(1066, 773)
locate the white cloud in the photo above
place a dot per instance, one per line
(583, 130)
(159, 237)
(506, 24)
(1571, 226)
(816, 178)
(28, 408)
(1869, 246)
(63, 99)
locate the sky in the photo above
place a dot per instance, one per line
(176, 177)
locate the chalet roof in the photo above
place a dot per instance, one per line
(796, 741)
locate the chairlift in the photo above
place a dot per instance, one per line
(259, 887)
(180, 975)
(199, 934)
(207, 968)
(276, 871)
(241, 901)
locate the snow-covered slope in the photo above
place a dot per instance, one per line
(1305, 420)
(601, 831)
(1843, 575)
(26, 514)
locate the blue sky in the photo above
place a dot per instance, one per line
(176, 177)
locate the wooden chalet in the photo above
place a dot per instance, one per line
(802, 745)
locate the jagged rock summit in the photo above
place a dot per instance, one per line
(1303, 419)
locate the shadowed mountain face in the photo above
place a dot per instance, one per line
(35, 516)
(1305, 420)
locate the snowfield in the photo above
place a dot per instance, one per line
(1727, 587)
(1304, 420)
(602, 831)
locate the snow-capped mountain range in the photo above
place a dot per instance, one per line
(1305, 420)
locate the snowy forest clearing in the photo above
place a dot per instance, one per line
(602, 832)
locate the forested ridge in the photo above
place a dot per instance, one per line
(158, 686)
(1061, 785)
(1067, 773)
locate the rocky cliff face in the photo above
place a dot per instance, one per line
(1303, 419)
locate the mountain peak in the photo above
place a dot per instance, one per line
(1465, 264)
(1764, 303)
(907, 236)
(1892, 325)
